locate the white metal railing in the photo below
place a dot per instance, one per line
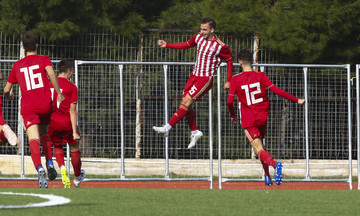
(305, 68)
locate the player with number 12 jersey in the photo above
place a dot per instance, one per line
(60, 119)
(250, 87)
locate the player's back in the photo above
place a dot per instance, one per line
(61, 115)
(30, 74)
(250, 87)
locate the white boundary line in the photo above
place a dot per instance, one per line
(53, 200)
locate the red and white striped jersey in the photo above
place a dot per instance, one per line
(210, 53)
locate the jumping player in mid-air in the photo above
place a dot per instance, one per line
(250, 87)
(210, 52)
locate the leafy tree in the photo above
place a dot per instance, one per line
(183, 14)
(318, 31)
(305, 31)
(242, 17)
(60, 19)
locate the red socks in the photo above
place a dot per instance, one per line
(59, 155)
(182, 112)
(35, 152)
(46, 145)
(75, 159)
(178, 115)
(265, 157)
(266, 168)
(190, 117)
(76, 162)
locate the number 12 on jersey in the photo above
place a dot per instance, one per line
(250, 95)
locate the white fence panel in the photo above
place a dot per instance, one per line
(313, 142)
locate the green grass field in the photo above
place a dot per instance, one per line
(187, 202)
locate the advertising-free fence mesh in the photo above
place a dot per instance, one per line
(314, 141)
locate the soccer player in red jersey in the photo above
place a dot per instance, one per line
(210, 52)
(36, 106)
(6, 134)
(250, 87)
(63, 124)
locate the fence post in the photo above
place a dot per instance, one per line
(166, 121)
(211, 141)
(349, 124)
(358, 124)
(121, 67)
(219, 125)
(307, 145)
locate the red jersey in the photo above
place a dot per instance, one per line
(250, 87)
(60, 119)
(30, 73)
(210, 53)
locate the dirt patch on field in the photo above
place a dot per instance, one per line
(188, 185)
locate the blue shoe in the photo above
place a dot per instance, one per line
(52, 174)
(278, 176)
(42, 181)
(268, 181)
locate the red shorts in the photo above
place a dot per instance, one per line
(36, 118)
(58, 137)
(197, 86)
(252, 133)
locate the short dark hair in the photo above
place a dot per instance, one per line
(30, 39)
(245, 56)
(210, 21)
(65, 64)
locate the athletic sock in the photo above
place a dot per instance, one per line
(194, 132)
(266, 168)
(265, 157)
(178, 115)
(59, 155)
(35, 152)
(168, 127)
(76, 162)
(46, 145)
(191, 119)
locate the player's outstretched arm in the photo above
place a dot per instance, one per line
(283, 93)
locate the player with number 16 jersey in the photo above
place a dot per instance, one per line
(30, 74)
